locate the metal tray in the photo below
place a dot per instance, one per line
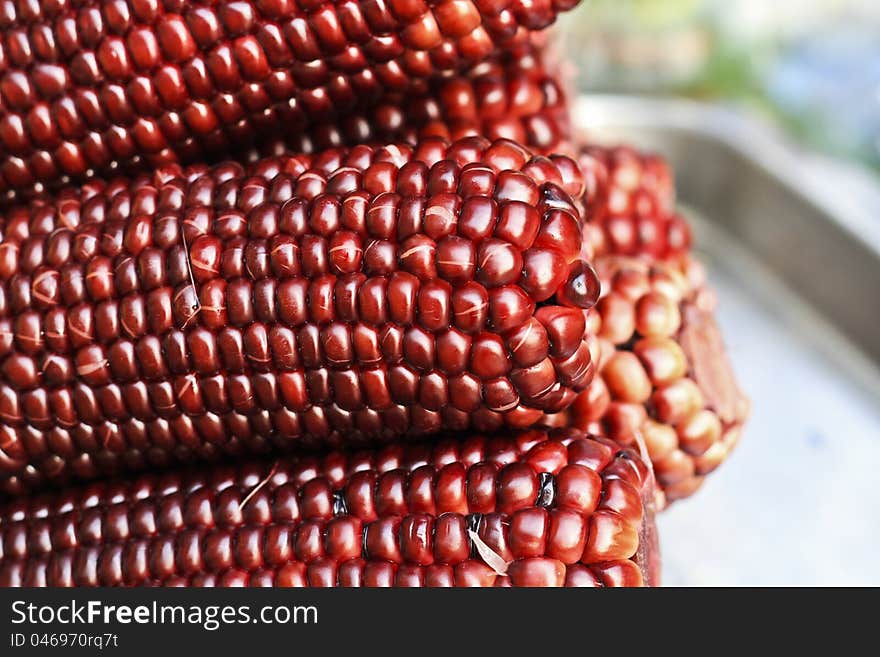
(795, 257)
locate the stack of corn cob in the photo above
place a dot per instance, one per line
(329, 294)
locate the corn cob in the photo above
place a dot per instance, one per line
(629, 204)
(530, 509)
(357, 294)
(629, 196)
(93, 83)
(510, 96)
(663, 374)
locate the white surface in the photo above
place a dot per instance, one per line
(798, 502)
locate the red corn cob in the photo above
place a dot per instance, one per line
(629, 198)
(664, 375)
(87, 84)
(510, 96)
(629, 203)
(358, 294)
(528, 510)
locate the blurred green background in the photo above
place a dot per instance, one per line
(813, 66)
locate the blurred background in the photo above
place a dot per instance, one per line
(813, 67)
(770, 115)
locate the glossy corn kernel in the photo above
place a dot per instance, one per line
(629, 204)
(530, 509)
(510, 96)
(355, 295)
(664, 377)
(91, 85)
